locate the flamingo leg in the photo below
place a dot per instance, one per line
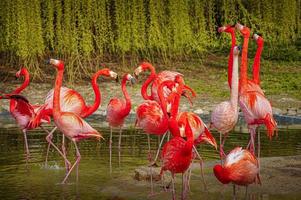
(201, 166)
(234, 192)
(258, 152)
(78, 157)
(48, 138)
(64, 152)
(173, 191)
(119, 146)
(220, 147)
(189, 175)
(48, 147)
(183, 187)
(246, 194)
(158, 151)
(26, 144)
(110, 147)
(150, 168)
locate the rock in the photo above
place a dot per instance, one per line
(277, 111)
(199, 111)
(144, 173)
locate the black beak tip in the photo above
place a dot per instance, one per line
(133, 81)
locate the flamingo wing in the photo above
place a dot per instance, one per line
(75, 127)
(115, 115)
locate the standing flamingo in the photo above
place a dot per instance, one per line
(156, 79)
(23, 112)
(117, 111)
(72, 101)
(225, 114)
(177, 156)
(240, 168)
(256, 108)
(70, 124)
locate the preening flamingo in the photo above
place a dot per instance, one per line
(224, 116)
(117, 111)
(70, 124)
(24, 113)
(156, 79)
(177, 156)
(72, 101)
(256, 108)
(240, 168)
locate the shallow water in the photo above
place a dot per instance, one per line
(33, 180)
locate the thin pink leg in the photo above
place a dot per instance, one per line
(110, 147)
(26, 144)
(158, 151)
(201, 166)
(48, 147)
(78, 157)
(64, 152)
(173, 191)
(119, 146)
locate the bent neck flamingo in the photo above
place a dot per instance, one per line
(70, 124)
(117, 111)
(224, 116)
(240, 168)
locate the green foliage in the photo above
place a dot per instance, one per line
(87, 32)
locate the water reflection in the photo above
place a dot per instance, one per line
(37, 181)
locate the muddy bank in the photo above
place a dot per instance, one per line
(280, 176)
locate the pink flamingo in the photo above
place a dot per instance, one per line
(72, 101)
(117, 111)
(23, 112)
(240, 167)
(256, 108)
(70, 124)
(177, 156)
(156, 79)
(224, 116)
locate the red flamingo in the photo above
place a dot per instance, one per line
(177, 156)
(240, 167)
(156, 79)
(255, 106)
(224, 116)
(72, 101)
(70, 124)
(23, 112)
(117, 111)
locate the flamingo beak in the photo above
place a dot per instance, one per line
(207, 137)
(138, 70)
(133, 81)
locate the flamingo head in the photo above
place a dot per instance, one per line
(258, 38)
(207, 137)
(236, 50)
(245, 31)
(130, 78)
(22, 72)
(227, 29)
(220, 174)
(57, 63)
(142, 67)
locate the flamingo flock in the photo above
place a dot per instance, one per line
(160, 115)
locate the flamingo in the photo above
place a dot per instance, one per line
(70, 124)
(224, 116)
(177, 156)
(23, 112)
(156, 79)
(255, 106)
(240, 167)
(72, 101)
(117, 111)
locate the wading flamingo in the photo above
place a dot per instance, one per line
(177, 156)
(240, 168)
(117, 111)
(72, 101)
(70, 124)
(224, 116)
(23, 112)
(156, 79)
(256, 108)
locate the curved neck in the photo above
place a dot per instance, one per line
(173, 123)
(162, 99)
(97, 100)
(256, 64)
(244, 62)
(234, 83)
(57, 91)
(24, 84)
(145, 85)
(230, 60)
(128, 103)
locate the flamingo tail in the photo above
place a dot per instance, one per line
(271, 125)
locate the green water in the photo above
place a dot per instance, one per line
(32, 180)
